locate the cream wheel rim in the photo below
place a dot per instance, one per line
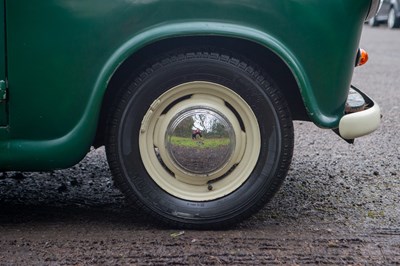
(199, 141)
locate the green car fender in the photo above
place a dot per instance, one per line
(220, 30)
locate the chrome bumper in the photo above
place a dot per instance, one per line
(360, 123)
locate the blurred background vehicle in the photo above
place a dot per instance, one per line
(389, 14)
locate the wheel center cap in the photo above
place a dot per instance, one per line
(200, 141)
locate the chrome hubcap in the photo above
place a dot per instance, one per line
(200, 141)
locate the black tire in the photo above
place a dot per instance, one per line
(125, 142)
(393, 21)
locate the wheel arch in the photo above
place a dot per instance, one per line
(264, 50)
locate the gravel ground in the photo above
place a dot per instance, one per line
(339, 205)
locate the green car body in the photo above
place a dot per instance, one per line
(61, 61)
(61, 55)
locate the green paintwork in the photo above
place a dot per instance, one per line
(62, 53)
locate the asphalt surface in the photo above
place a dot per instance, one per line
(339, 205)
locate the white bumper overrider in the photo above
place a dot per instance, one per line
(361, 123)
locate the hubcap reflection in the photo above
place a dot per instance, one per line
(200, 141)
